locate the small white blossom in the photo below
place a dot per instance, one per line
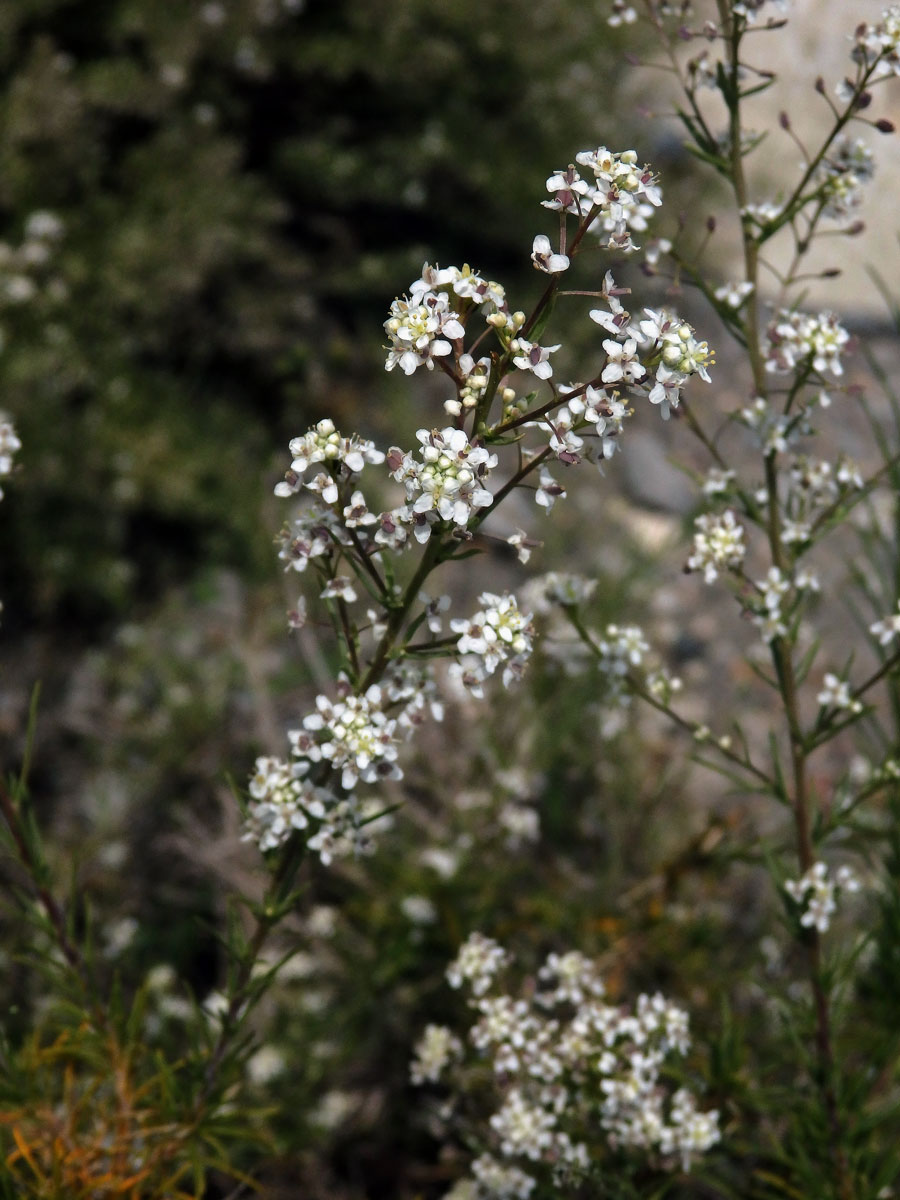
(816, 893)
(622, 14)
(281, 801)
(887, 629)
(529, 356)
(545, 259)
(548, 490)
(734, 294)
(338, 588)
(679, 355)
(523, 545)
(717, 481)
(836, 693)
(622, 362)
(499, 1181)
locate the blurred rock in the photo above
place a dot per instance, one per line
(650, 478)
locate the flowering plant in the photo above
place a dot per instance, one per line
(566, 1083)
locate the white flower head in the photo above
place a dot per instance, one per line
(447, 482)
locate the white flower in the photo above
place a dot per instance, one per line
(559, 1052)
(43, 226)
(671, 342)
(887, 629)
(545, 259)
(338, 588)
(734, 294)
(529, 356)
(773, 588)
(622, 646)
(836, 693)
(499, 1181)
(523, 545)
(566, 589)
(622, 14)
(311, 535)
(717, 481)
(548, 490)
(622, 362)
(620, 197)
(564, 442)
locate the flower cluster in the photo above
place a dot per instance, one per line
(435, 1050)
(498, 634)
(423, 326)
(282, 800)
(677, 354)
(352, 738)
(419, 333)
(23, 268)
(878, 45)
(448, 483)
(618, 195)
(718, 545)
(352, 734)
(793, 338)
(9, 444)
(479, 959)
(323, 444)
(565, 1061)
(816, 892)
(842, 175)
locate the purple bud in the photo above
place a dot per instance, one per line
(784, 120)
(884, 125)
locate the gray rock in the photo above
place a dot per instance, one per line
(650, 479)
